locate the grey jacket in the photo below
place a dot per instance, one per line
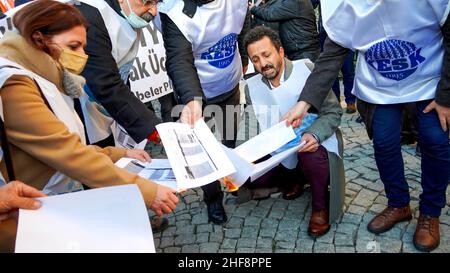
(329, 113)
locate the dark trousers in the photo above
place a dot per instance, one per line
(435, 159)
(312, 168)
(348, 76)
(212, 192)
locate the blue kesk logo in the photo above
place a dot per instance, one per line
(394, 59)
(222, 53)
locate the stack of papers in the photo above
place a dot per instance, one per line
(112, 219)
(197, 158)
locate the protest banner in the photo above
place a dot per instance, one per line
(148, 76)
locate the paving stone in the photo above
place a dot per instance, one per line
(324, 248)
(356, 209)
(245, 250)
(184, 240)
(269, 223)
(263, 250)
(234, 222)
(252, 221)
(229, 243)
(204, 228)
(345, 249)
(246, 243)
(351, 218)
(268, 232)
(287, 235)
(343, 239)
(259, 212)
(347, 228)
(216, 236)
(286, 245)
(264, 242)
(172, 249)
(166, 242)
(233, 233)
(209, 247)
(202, 238)
(249, 232)
(190, 249)
(289, 225)
(183, 230)
(389, 245)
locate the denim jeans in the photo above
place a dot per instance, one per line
(435, 161)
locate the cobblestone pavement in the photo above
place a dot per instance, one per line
(280, 226)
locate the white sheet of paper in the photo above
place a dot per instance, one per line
(112, 219)
(122, 139)
(148, 170)
(195, 154)
(244, 169)
(265, 166)
(266, 142)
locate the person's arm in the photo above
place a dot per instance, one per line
(443, 89)
(180, 62)
(104, 81)
(39, 133)
(329, 118)
(281, 10)
(242, 51)
(326, 70)
(441, 103)
(319, 83)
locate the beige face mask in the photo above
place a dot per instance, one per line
(72, 61)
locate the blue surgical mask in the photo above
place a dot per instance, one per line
(134, 20)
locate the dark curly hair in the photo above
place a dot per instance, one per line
(258, 33)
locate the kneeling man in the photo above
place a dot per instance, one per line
(273, 92)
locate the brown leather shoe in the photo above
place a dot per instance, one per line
(386, 219)
(426, 237)
(351, 108)
(318, 223)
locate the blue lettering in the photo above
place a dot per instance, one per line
(415, 58)
(400, 64)
(384, 65)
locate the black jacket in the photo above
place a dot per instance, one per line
(297, 25)
(103, 78)
(180, 59)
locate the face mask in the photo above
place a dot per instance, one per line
(134, 20)
(72, 61)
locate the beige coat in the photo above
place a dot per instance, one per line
(41, 145)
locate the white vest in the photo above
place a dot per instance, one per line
(213, 32)
(270, 105)
(399, 43)
(62, 107)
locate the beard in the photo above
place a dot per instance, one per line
(270, 72)
(147, 16)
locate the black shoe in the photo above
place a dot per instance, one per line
(159, 223)
(216, 212)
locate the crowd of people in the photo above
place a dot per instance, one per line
(64, 79)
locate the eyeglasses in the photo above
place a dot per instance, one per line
(151, 2)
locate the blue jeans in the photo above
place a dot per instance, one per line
(435, 161)
(348, 76)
